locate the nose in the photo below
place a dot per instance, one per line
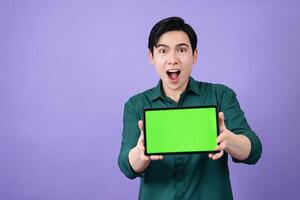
(172, 59)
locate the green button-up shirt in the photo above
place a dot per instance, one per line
(185, 176)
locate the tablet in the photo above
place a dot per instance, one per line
(181, 130)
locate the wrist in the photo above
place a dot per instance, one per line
(133, 155)
(231, 140)
(136, 160)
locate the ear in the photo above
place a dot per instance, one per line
(195, 56)
(150, 56)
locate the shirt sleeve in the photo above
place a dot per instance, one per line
(236, 122)
(130, 137)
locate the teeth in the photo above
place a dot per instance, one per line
(173, 70)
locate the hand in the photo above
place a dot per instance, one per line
(223, 138)
(141, 146)
(137, 158)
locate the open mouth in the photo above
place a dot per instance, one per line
(173, 74)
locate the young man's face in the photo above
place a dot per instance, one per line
(173, 59)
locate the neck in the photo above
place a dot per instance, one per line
(174, 94)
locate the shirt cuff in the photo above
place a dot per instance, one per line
(256, 149)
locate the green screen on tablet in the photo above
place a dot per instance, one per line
(180, 130)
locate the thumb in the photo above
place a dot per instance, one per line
(141, 125)
(141, 138)
(222, 126)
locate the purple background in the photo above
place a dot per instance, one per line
(67, 68)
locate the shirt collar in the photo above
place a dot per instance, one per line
(192, 86)
(157, 92)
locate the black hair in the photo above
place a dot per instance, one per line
(171, 24)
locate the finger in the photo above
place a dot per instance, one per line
(141, 124)
(221, 146)
(142, 149)
(159, 157)
(140, 143)
(218, 155)
(141, 146)
(156, 157)
(141, 138)
(221, 138)
(210, 155)
(221, 120)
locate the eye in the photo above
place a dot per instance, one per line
(162, 50)
(182, 49)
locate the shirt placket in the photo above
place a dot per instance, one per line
(180, 160)
(180, 174)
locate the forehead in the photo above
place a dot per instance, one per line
(174, 37)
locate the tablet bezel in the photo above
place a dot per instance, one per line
(176, 108)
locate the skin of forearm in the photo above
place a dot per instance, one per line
(238, 146)
(135, 160)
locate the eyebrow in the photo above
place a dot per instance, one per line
(182, 44)
(166, 46)
(162, 45)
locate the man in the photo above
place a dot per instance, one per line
(173, 51)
